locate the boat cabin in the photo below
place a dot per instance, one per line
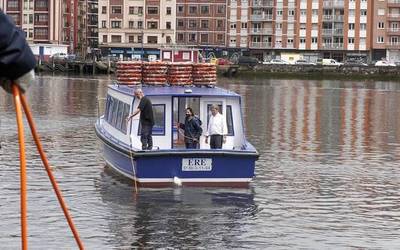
(169, 107)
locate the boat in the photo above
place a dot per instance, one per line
(169, 162)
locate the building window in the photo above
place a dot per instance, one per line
(116, 9)
(220, 9)
(351, 40)
(244, 25)
(140, 10)
(192, 23)
(180, 23)
(168, 11)
(363, 26)
(381, 25)
(180, 37)
(278, 26)
(291, 12)
(139, 38)
(131, 39)
(363, 12)
(220, 38)
(204, 24)
(352, 13)
(140, 24)
(152, 39)
(290, 41)
(314, 39)
(152, 25)
(233, 25)
(104, 24)
(192, 37)
(152, 10)
(103, 9)
(131, 10)
(351, 26)
(168, 25)
(302, 40)
(379, 39)
(381, 12)
(204, 38)
(116, 39)
(131, 24)
(205, 9)
(279, 12)
(220, 24)
(116, 24)
(179, 9)
(192, 10)
(104, 38)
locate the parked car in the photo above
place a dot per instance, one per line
(276, 61)
(304, 62)
(248, 61)
(384, 63)
(331, 62)
(59, 56)
(352, 62)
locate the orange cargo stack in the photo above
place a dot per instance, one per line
(155, 73)
(129, 73)
(180, 74)
(204, 74)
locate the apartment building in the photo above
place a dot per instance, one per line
(201, 23)
(313, 28)
(130, 28)
(388, 25)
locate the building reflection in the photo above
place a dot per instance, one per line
(313, 117)
(173, 217)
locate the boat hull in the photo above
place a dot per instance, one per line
(163, 168)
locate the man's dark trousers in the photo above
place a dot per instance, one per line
(145, 138)
(216, 141)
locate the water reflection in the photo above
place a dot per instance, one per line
(182, 217)
(327, 177)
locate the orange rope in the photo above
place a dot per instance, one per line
(48, 169)
(21, 139)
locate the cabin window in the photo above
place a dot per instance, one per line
(116, 113)
(229, 117)
(159, 120)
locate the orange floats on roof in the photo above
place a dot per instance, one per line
(204, 74)
(180, 74)
(155, 73)
(129, 72)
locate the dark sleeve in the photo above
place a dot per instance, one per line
(196, 124)
(142, 104)
(182, 126)
(16, 57)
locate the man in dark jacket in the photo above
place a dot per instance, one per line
(145, 108)
(192, 129)
(16, 58)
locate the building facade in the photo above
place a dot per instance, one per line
(128, 29)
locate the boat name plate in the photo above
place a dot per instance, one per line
(196, 164)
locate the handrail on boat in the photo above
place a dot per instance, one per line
(19, 99)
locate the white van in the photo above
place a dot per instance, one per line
(331, 62)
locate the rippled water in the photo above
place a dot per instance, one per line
(328, 176)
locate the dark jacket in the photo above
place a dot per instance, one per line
(16, 57)
(192, 129)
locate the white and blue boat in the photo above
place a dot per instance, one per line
(169, 161)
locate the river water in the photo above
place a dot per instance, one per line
(328, 176)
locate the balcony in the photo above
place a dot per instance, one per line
(395, 17)
(333, 46)
(393, 31)
(263, 3)
(332, 32)
(261, 17)
(393, 45)
(393, 3)
(261, 45)
(334, 4)
(261, 31)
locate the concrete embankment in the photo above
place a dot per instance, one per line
(319, 71)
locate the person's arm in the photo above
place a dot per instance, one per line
(208, 128)
(16, 58)
(137, 111)
(224, 128)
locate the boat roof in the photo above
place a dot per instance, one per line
(175, 90)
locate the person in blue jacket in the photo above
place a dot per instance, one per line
(192, 128)
(16, 58)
